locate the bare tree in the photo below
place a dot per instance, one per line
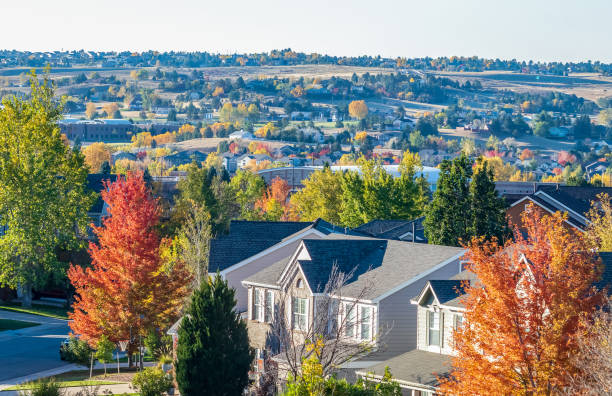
(594, 358)
(335, 317)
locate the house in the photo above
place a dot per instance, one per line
(244, 160)
(120, 155)
(185, 157)
(382, 276)
(400, 230)
(438, 313)
(252, 246)
(596, 168)
(229, 162)
(241, 134)
(573, 200)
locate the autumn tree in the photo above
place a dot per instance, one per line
(129, 288)
(91, 111)
(523, 312)
(43, 197)
(111, 109)
(599, 231)
(274, 205)
(95, 155)
(358, 109)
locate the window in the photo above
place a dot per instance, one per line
(269, 303)
(458, 321)
(299, 313)
(366, 323)
(434, 327)
(258, 311)
(299, 284)
(349, 323)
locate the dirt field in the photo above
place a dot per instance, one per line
(587, 85)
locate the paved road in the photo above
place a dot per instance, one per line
(27, 351)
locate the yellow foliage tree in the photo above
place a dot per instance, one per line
(91, 111)
(501, 170)
(599, 232)
(95, 155)
(110, 109)
(361, 136)
(218, 91)
(358, 109)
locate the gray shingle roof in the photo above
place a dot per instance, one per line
(447, 291)
(414, 367)
(246, 239)
(393, 229)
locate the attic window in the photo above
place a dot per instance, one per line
(299, 284)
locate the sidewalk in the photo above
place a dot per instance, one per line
(117, 389)
(60, 370)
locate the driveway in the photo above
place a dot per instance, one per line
(33, 349)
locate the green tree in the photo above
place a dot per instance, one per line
(104, 351)
(320, 198)
(43, 198)
(488, 209)
(213, 353)
(448, 216)
(248, 187)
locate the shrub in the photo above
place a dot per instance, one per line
(78, 351)
(152, 381)
(44, 387)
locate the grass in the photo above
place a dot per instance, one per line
(9, 324)
(36, 309)
(64, 384)
(146, 358)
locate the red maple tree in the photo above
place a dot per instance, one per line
(274, 203)
(129, 289)
(523, 312)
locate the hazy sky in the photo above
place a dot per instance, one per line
(522, 29)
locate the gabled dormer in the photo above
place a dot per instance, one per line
(439, 313)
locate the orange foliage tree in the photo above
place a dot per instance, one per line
(274, 204)
(129, 289)
(523, 314)
(358, 109)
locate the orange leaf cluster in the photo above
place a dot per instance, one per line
(128, 289)
(523, 313)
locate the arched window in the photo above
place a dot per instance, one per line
(299, 284)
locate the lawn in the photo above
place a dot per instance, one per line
(9, 324)
(36, 309)
(64, 384)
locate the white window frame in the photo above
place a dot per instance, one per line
(364, 323)
(431, 314)
(258, 304)
(350, 308)
(268, 306)
(294, 314)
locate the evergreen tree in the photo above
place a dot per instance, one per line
(488, 210)
(213, 353)
(448, 218)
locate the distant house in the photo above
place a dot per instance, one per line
(575, 201)
(97, 130)
(120, 155)
(596, 168)
(185, 157)
(241, 134)
(229, 162)
(400, 230)
(244, 160)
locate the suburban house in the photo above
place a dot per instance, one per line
(575, 201)
(371, 306)
(439, 312)
(252, 246)
(401, 230)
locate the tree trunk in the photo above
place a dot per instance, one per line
(26, 295)
(130, 362)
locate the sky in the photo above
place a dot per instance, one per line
(539, 30)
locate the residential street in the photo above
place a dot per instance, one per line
(31, 350)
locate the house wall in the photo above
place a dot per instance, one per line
(515, 212)
(236, 276)
(397, 317)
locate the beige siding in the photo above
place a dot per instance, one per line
(235, 277)
(397, 317)
(448, 317)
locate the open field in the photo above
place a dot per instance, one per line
(587, 85)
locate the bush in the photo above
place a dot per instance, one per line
(152, 381)
(78, 351)
(44, 387)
